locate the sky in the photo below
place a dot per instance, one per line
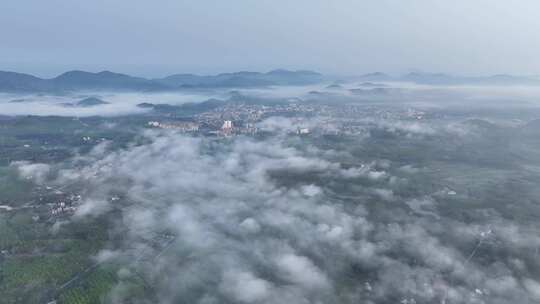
(157, 38)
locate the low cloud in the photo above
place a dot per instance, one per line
(264, 221)
(118, 103)
(33, 171)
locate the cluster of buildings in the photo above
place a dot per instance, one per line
(229, 128)
(64, 204)
(252, 113)
(240, 118)
(62, 209)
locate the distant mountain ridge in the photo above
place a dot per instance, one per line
(243, 79)
(106, 80)
(446, 79)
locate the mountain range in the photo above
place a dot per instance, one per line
(106, 80)
(446, 79)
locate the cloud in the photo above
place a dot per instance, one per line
(34, 171)
(92, 207)
(533, 287)
(118, 103)
(311, 190)
(422, 206)
(267, 221)
(245, 287)
(300, 270)
(250, 225)
(106, 255)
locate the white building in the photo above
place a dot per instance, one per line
(302, 131)
(227, 125)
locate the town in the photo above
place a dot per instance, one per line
(322, 119)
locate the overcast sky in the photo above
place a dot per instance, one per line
(154, 38)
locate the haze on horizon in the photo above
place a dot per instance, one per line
(154, 39)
